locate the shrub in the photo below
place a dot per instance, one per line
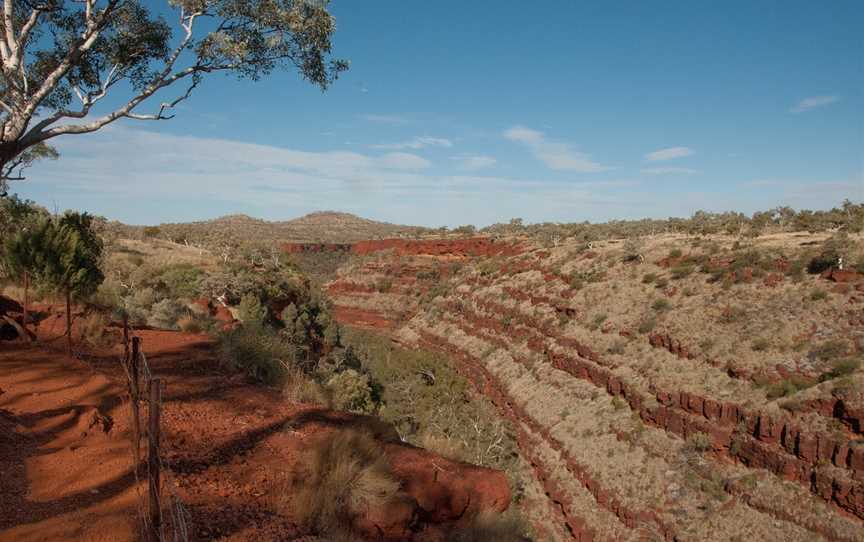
(94, 329)
(251, 311)
(787, 387)
(384, 285)
(661, 305)
(841, 368)
(675, 253)
(182, 280)
(681, 271)
(351, 391)
(661, 283)
(647, 325)
(648, 278)
(617, 347)
(299, 388)
(760, 344)
(821, 263)
(829, 350)
(258, 351)
(348, 475)
(164, 314)
(698, 442)
(818, 295)
(598, 320)
(193, 324)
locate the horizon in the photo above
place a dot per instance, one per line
(726, 108)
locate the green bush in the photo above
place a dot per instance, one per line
(818, 295)
(760, 344)
(661, 305)
(258, 351)
(681, 271)
(829, 350)
(647, 325)
(841, 368)
(787, 387)
(675, 253)
(182, 281)
(648, 278)
(251, 311)
(699, 442)
(164, 314)
(351, 391)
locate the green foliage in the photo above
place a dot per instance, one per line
(258, 351)
(841, 368)
(350, 390)
(788, 386)
(661, 305)
(760, 344)
(422, 396)
(152, 231)
(675, 253)
(648, 278)
(165, 314)
(698, 442)
(818, 295)
(182, 281)
(251, 311)
(681, 271)
(647, 325)
(384, 285)
(829, 350)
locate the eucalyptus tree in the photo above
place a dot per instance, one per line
(61, 58)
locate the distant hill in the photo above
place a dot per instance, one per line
(317, 227)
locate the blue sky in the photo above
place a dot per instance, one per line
(460, 112)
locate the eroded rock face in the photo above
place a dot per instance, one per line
(447, 491)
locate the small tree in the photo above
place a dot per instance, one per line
(71, 260)
(22, 255)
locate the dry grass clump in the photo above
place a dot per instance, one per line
(489, 526)
(94, 329)
(444, 446)
(299, 388)
(348, 476)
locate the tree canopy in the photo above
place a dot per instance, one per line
(60, 58)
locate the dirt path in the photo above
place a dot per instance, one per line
(64, 477)
(66, 459)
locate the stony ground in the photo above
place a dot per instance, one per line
(644, 393)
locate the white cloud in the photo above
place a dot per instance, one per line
(524, 135)
(474, 162)
(555, 155)
(669, 171)
(385, 119)
(403, 160)
(814, 102)
(417, 143)
(668, 154)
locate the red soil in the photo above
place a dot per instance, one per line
(351, 316)
(232, 450)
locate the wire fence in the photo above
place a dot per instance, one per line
(162, 516)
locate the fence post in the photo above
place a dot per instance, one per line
(135, 392)
(153, 474)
